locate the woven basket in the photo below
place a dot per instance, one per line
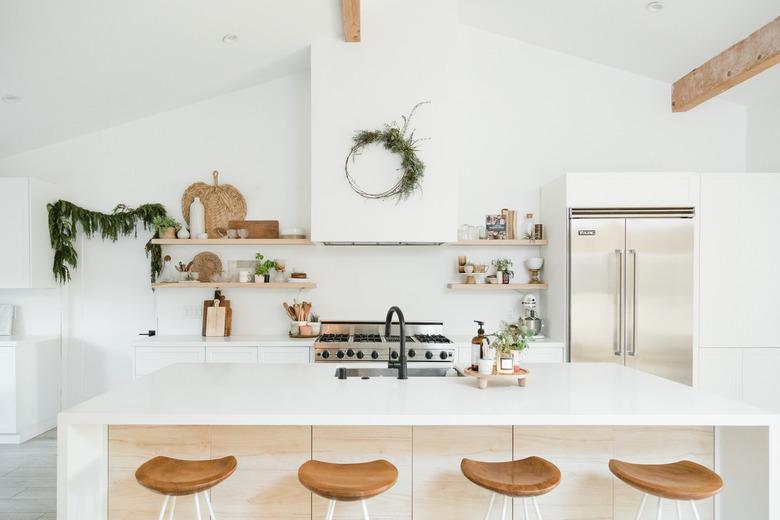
(222, 202)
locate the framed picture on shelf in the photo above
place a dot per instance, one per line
(495, 225)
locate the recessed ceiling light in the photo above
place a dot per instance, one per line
(10, 98)
(230, 39)
(656, 6)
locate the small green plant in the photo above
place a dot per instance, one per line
(315, 318)
(512, 336)
(263, 266)
(164, 221)
(504, 265)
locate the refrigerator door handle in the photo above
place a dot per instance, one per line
(634, 346)
(617, 347)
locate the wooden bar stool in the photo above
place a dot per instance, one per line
(347, 482)
(680, 481)
(526, 478)
(176, 478)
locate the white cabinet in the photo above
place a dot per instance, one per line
(284, 355)
(760, 367)
(739, 279)
(29, 387)
(747, 374)
(720, 371)
(27, 260)
(231, 354)
(150, 359)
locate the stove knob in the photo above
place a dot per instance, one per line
(429, 355)
(443, 355)
(375, 355)
(340, 354)
(350, 352)
(412, 353)
(325, 355)
(394, 354)
(360, 354)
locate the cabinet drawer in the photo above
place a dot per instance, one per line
(231, 355)
(150, 359)
(284, 355)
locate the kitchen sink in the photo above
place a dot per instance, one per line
(366, 373)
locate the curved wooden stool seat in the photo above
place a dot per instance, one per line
(347, 482)
(177, 477)
(683, 480)
(526, 478)
(529, 477)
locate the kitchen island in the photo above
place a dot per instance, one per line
(274, 417)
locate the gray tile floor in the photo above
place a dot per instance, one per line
(28, 479)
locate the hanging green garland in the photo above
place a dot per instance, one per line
(64, 217)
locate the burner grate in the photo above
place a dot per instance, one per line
(366, 338)
(432, 338)
(334, 338)
(397, 339)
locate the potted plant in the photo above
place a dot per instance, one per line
(503, 266)
(263, 268)
(165, 226)
(510, 342)
(315, 324)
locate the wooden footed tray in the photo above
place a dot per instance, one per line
(295, 336)
(482, 379)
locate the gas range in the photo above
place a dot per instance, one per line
(365, 342)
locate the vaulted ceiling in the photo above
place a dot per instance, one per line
(83, 65)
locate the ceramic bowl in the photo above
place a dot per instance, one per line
(534, 263)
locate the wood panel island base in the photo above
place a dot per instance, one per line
(273, 419)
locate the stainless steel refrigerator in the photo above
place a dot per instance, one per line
(631, 289)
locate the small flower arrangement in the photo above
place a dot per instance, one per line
(512, 337)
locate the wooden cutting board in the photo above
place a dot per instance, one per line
(217, 319)
(257, 228)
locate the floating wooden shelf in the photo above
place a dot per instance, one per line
(233, 242)
(235, 285)
(497, 286)
(499, 243)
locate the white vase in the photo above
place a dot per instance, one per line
(197, 218)
(183, 233)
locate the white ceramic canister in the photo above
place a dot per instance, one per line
(197, 218)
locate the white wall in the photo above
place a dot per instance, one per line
(763, 137)
(523, 115)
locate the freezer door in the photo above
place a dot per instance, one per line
(595, 299)
(659, 297)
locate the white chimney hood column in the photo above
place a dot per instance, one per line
(404, 58)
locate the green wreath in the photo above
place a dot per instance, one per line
(394, 139)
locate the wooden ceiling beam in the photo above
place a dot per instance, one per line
(350, 11)
(740, 62)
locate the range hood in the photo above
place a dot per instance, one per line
(343, 102)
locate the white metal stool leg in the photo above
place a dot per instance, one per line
(641, 507)
(331, 509)
(536, 507)
(695, 511)
(365, 510)
(660, 508)
(197, 506)
(679, 510)
(173, 509)
(164, 506)
(503, 509)
(490, 506)
(212, 516)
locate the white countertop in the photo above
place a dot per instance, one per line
(230, 341)
(16, 340)
(259, 394)
(276, 341)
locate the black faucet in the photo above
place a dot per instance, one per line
(402, 374)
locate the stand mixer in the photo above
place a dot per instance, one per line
(530, 318)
